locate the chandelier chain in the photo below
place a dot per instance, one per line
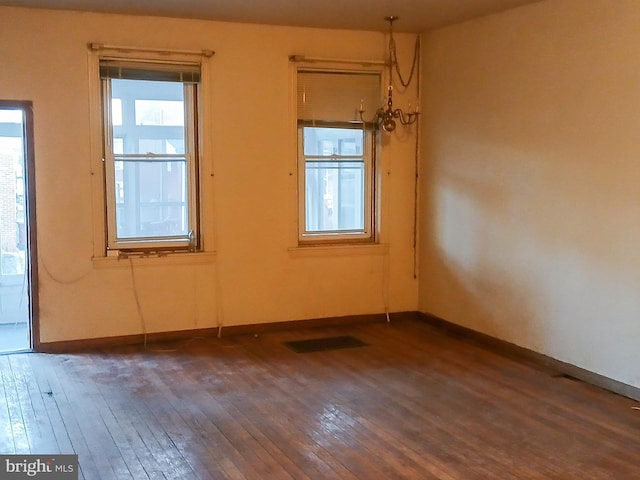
(386, 116)
(393, 58)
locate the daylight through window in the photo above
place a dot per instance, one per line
(335, 156)
(151, 156)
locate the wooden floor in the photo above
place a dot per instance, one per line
(413, 403)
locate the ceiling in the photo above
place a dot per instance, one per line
(414, 15)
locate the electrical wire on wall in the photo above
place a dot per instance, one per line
(405, 83)
(219, 309)
(86, 274)
(416, 67)
(62, 281)
(218, 283)
(416, 197)
(385, 208)
(143, 323)
(216, 245)
(386, 262)
(415, 202)
(136, 297)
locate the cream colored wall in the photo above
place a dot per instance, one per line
(530, 207)
(253, 277)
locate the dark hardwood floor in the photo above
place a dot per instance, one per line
(413, 403)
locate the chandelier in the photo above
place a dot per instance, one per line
(386, 116)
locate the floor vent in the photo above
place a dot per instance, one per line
(324, 344)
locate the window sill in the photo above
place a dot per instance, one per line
(190, 258)
(338, 250)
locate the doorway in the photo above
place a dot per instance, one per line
(18, 273)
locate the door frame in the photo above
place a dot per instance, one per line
(30, 208)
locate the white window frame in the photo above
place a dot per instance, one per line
(369, 233)
(192, 240)
(364, 235)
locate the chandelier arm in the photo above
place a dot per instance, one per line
(405, 120)
(376, 116)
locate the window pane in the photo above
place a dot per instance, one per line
(10, 116)
(159, 112)
(118, 146)
(332, 141)
(150, 116)
(151, 198)
(116, 111)
(169, 146)
(334, 194)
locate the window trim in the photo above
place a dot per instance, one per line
(195, 96)
(205, 167)
(367, 234)
(153, 242)
(372, 183)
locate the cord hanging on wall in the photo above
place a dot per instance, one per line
(386, 116)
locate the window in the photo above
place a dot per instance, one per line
(336, 156)
(151, 154)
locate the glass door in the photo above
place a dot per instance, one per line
(16, 300)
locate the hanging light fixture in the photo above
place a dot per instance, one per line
(386, 116)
